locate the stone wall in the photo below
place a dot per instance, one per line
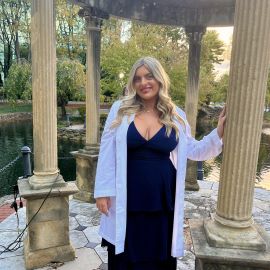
(75, 135)
(16, 116)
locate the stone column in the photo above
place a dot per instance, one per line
(93, 29)
(43, 50)
(86, 159)
(46, 192)
(232, 225)
(195, 35)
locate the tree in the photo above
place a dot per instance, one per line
(70, 82)
(25, 30)
(164, 43)
(211, 54)
(222, 85)
(18, 82)
(12, 14)
(221, 89)
(71, 41)
(212, 50)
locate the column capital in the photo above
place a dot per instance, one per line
(195, 33)
(93, 17)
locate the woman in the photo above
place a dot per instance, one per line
(140, 176)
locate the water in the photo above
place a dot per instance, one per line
(14, 135)
(212, 167)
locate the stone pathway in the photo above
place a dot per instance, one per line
(84, 224)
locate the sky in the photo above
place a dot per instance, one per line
(225, 34)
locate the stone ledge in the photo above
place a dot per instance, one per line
(27, 192)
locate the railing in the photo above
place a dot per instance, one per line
(27, 170)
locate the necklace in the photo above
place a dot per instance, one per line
(148, 111)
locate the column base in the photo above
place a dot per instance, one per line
(222, 236)
(208, 257)
(39, 181)
(191, 183)
(86, 164)
(47, 216)
(90, 149)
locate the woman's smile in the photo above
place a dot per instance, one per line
(146, 90)
(145, 83)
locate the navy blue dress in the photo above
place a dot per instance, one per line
(151, 180)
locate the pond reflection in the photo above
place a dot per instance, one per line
(212, 167)
(13, 136)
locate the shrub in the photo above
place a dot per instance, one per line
(18, 82)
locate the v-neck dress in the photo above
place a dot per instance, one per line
(151, 182)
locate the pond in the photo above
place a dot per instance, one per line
(212, 167)
(14, 135)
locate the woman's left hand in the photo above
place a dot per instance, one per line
(221, 123)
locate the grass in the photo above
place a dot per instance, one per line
(11, 108)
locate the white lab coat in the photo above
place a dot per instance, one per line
(111, 176)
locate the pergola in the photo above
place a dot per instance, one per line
(228, 239)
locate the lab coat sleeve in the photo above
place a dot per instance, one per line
(208, 147)
(106, 165)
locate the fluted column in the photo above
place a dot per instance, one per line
(86, 159)
(93, 29)
(232, 225)
(194, 35)
(43, 47)
(46, 192)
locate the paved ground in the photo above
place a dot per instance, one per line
(84, 224)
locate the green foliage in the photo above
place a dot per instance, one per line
(211, 53)
(18, 82)
(164, 43)
(14, 20)
(82, 111)
(267, 97)
(168, 44)
(264, 151)
(267, 116)
(212, 50)
(71, 38)
(222, 85)
(102, 120)
(220, 89)
(70, 82)
(178, 77)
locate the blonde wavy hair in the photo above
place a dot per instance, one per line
(132, 103)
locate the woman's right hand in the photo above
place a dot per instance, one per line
(103, 204)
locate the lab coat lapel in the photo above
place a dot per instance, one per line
(121, 183)
(179, 154)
